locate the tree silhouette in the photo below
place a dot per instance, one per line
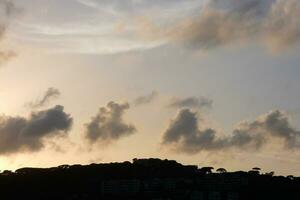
(221, 170)
(206, 170)
(270, 173)
(7, 172)
(256, 168)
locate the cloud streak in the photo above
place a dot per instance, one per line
(108, 125)
(18, 134)
(191, 102)
(51, 93)
(146, 99)
(184, 133)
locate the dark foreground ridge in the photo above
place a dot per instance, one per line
(145, 179)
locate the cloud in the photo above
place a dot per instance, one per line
(185, 135)
(146, 99)
(217, 27)
(272, 124)
(191, 102)
(18, 134)
(50, 94)
(7, 10)
(221, 23)
(9, 7)
(108, 125)
(283, 24)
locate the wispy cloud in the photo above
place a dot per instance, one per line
(51, 93)
(146, 99)
(191, 102)
(93, 27)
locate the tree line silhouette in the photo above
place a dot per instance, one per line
(145, 179)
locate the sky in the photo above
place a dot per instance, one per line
(204, 82)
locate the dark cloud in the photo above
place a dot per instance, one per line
(243, 138)
(282, 28)
(9, 7)
(19, 134)
(223, 22)
(108, 125)
(257, 7)
(50, 94)
(146, 99)
(191, 102)
(185, 135)
(273, 124)
(217, 27)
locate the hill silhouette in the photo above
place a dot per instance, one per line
(144, 179)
